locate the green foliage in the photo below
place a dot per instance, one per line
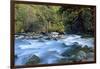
(87, 16)
(69, 18)
(33, 18)
(45, 18)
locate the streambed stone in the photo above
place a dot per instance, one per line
(33, 60)
(75, 48)
(80, 56)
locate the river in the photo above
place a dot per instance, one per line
(47, 50)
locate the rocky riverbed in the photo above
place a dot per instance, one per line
(71, 48)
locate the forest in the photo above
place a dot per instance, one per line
(30, 18)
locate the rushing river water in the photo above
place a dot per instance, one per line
(48, 50)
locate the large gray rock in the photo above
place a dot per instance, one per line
(41, 40)
(33, 60)
(87, 49)
(81, 55)
(75, 48)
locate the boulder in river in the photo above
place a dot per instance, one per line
(75, 48)
(63, 60)
(80, 56)
(87, 49)
(33, 60)
(64, 45)
(41, 40)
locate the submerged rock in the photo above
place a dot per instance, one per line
(75, 44)
(75, 48)
(47, 38)
(41, 40)
(75, 53)
(63, 60)
(80, 56)
(64, 45)
(33, 60)
(87, 49)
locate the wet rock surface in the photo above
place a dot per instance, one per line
(75, 48)
(33, 60)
